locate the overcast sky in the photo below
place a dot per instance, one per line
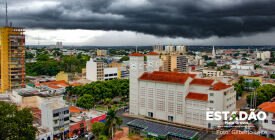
(145, 22)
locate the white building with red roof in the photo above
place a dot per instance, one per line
(176, 97)
(268, 125)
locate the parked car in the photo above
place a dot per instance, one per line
(75, 137)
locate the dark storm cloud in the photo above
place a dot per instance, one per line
(173, 18)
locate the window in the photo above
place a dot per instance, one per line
(273, 122)
(111, 74)
(66, 119)
(55, 114)
(106, 75)
(211, 94)
(170, 118)
(150, 114)
(211, 101)
(115, 74)
(66, 112)
(265, 121)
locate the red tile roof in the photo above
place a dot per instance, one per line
(204, 82)
(220, 86)
(54, 86)
(197, 96)
(175, 73)
(136, 54)
(268, 107)
(152, 53)
(61, 82)
(75, 109)
(241, 135)
(75, 84)
(170, 77)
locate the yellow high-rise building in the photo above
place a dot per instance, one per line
(12, 58)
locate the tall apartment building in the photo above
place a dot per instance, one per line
(56, 118)
(174, 62)
(263, 55)
(95, 70)
(158, 48)
(59, 45)
(181, 49)
(12, 58)
(177, 97)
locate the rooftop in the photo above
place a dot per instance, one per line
(136, 54)
(204, 82)
(152, 53)
(162, 130)
(268, 107)
(170, 77)
(220, 86)
(197, 96)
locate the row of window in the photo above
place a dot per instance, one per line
(266, 121)
(65, 119)
(64, 112)
(108, 75)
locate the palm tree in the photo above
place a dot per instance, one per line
(254, 84)
(107, 102)
(111, 121)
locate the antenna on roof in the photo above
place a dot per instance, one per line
(7, 22)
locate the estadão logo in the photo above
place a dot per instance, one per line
(241, 115)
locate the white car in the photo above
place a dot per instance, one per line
(74, 137)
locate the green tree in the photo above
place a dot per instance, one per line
(29, 55)
(239, 89)
(111, 121)
(211, 64)
(98, 128)
(124, 58)
(102, 137)
(264, 94)
(272, 76)
(42, 57)
(119, 122)
(107, 102)
(16, 124)
(205, 57)
(257, 66)
(86, 101)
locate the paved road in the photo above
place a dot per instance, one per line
(124, 118)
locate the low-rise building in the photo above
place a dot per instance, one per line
(56, 118)
(268, 125)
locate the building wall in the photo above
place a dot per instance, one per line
(94, 70)
(152, 63)
(162, 99)
(12, 58)
(136, 70)
(110, 73)
(56, 124)
(62, 76)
